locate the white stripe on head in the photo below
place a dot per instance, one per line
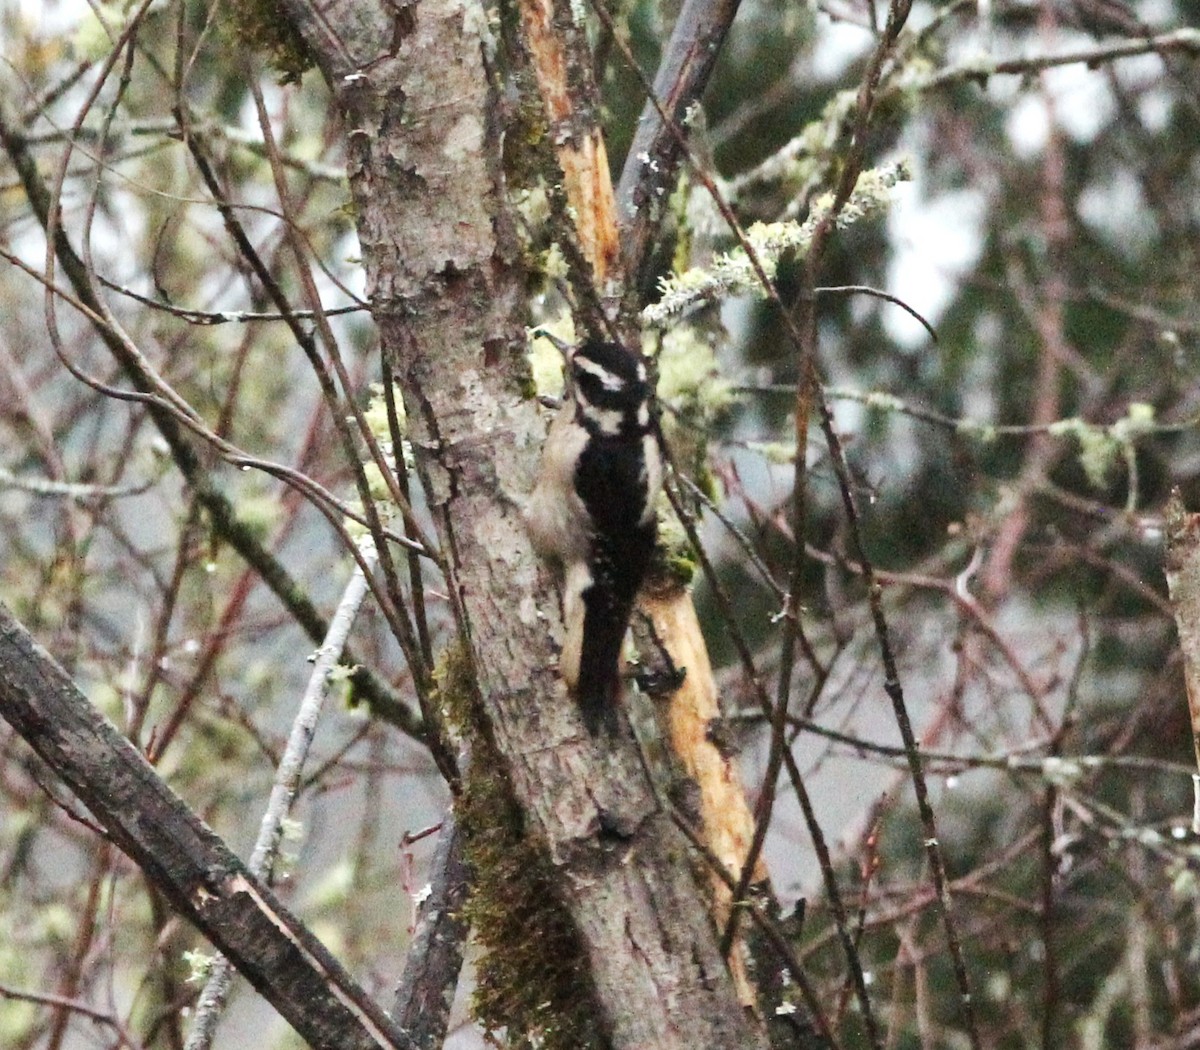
(608, 380)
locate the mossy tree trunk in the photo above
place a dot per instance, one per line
(422, 131)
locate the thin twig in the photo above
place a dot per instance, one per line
(287, 781)
(210, 318)
(778, 939)
(742, 539)
(866, 289)
(60, 1002)
(1186, 40)
(72, 490)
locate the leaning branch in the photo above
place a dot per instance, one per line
(284, 790)
(653, 160)
(181, 856)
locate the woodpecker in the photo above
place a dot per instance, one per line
(592, 514)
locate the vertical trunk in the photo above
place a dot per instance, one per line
(449, 303)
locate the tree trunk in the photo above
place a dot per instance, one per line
(421, 126)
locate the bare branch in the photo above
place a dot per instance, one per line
(287, 784)
(62, 1003)
(421, 1006)
(866, 289)
(653, 160)
(1186, 41)
(182, 857)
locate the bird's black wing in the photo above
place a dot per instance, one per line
(613, 489)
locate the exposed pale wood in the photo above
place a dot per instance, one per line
(565, 83)
(728, 824)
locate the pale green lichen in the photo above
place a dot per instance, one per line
(1138, 421)
(356, 530)
(199, 966)
(334, 886)
(884, 402)
(533, 204)
(376, 418)
(912, 78)
(689, 383)
(545, 359)
(1150, 838)
(376, 413)
(260, 511)
(672, 537)
(376, 485)
(1185, 882)
(675, 558)
(291, 841)
(1101, 446)
(734, 274)
(1098, 450)
(1061, 772)
(877, 399)
(799, 161)
(985, 433)
(554, 263)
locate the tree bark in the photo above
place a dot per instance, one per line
(421, 1005)
(449, 302)
(1183, 583)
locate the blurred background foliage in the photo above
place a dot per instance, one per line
(1012, 474)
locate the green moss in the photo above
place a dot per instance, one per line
(532, 979)
(675, 561)
(526, 386)
(262, 26)
(681, 569)
(454, 680)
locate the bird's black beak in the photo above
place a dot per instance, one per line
(564, 348)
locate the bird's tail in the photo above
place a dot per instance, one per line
(598, 689)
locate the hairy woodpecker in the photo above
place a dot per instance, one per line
(592, 514)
